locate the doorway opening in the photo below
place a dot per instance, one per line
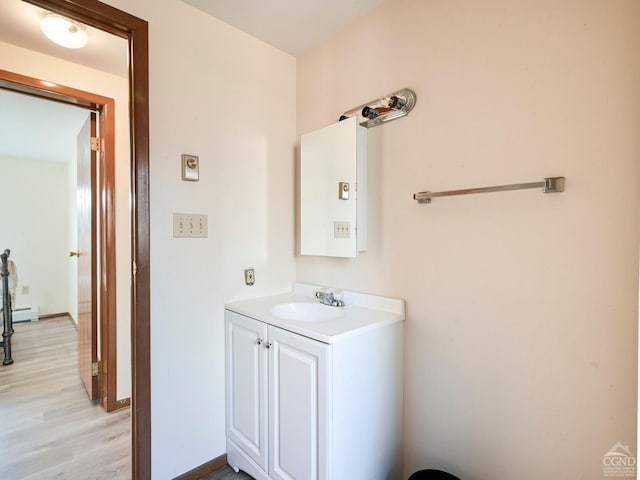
(99, 212)
(135, 31)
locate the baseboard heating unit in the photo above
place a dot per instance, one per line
(26, 314)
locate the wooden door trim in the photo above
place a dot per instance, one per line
(104, 198)
(51, 91)
(86, 210)
(95, 288)
(107, 232)
(106, 211)
(135, 30)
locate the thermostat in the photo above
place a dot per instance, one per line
(190, 168)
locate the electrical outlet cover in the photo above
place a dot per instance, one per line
(249, 276)
(341, 230)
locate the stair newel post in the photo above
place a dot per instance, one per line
(6, 309)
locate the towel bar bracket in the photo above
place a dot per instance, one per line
(421, 199)
(553, 185)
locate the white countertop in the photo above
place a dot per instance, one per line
(362, 313)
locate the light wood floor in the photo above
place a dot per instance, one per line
(49, 429)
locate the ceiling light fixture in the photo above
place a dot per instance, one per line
(64, 32)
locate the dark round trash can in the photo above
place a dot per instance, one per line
(432, 475)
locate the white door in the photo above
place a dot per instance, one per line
(246, 386)
(298, 400)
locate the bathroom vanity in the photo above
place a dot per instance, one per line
(314, 392)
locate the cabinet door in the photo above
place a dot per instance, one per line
(246, 386)
(298, 402)
(330, 156)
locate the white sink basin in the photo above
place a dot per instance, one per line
(306, 312)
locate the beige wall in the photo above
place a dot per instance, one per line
(27, 62)
(521, 336)
(229, 98)
(34, 227)
(522, 307)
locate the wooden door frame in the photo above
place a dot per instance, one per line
(104, 194)
(136, 32)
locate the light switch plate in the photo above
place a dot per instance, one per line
(341, 229)
(190, 225)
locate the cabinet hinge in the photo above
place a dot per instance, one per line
(95, 369)
(95, 144)
(134, 268)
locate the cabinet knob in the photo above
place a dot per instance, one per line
(259, 341)
(267, 345)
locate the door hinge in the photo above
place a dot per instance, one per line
(95, 144)
(95, 369)
(134, 268)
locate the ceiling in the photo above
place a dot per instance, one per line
(36, 129)
(293, 26)
(20, 25)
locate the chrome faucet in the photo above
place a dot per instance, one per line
(333, 299)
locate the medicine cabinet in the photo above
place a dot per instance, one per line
(333, 190)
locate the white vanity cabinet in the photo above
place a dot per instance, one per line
(303, 409)
(298, 399)
(276, 399)
(246, 398)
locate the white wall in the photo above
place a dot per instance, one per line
(34, 227)
(229, 98)
(72, 205)
(521, 336)
(27, 62)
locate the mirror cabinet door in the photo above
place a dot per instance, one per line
(333, 190)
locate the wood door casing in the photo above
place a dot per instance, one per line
(87, 252)
(106, 205)
(105, 197)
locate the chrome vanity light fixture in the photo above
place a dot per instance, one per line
(396, 105)
(63, 31)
